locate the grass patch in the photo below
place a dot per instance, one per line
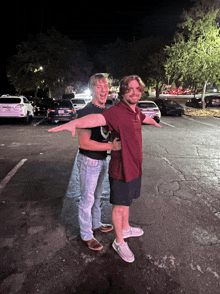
(203, 112)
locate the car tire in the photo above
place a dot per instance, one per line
(28, 118)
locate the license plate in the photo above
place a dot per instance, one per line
(60, 111)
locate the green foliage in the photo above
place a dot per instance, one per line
(195, 53)
(50, 61)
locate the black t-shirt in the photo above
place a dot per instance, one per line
(99, 134)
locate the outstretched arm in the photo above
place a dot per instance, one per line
(88, 121)
(150, 121)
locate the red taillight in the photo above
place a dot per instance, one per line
(71, 111)
(50, 110)
(19, 106)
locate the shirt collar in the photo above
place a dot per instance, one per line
(129, 108)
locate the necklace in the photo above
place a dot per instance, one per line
(97, 106)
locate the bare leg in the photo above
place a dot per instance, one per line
(120, 216)
(125, 219)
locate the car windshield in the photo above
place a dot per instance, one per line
(146, 105)
(78, 101)
(171, 102)
(9, 100)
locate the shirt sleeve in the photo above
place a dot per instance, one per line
(142, 116)
(111, 118)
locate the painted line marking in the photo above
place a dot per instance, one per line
(39, 122)
(167, 124)
(210, 125)
(4, 182)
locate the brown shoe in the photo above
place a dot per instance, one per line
(104, 228)
(93, 244)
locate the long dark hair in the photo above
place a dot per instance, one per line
(124, 85)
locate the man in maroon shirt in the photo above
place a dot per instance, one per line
(125, 168)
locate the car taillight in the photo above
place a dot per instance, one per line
(19, 106)
(50, 110)
(71, 111)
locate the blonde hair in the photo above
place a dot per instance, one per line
(124, 85)
(98, 77)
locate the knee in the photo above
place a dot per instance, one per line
(118, 209)
(87, 201)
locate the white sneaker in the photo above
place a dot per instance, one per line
(124, 251)
(132, 232)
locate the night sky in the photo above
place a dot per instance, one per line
(95, 23)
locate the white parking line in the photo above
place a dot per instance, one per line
(203, 123)
(167, 124)
(4, 182)
(39, 122)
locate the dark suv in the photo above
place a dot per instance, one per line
(60, 110)
(196, 102)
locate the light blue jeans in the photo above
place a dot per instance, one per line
(92, 173)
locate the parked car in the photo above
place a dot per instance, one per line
(41, 105)
(214, 89)
(196, 102)
(213, 100)
(109, 102)
(78, 103)
(84, 96)
(169, 107)
(16, 106)
(60, 110)
(151, 109)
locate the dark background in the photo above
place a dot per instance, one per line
(96, 23)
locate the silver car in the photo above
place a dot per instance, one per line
(151, 109)
(78, 103)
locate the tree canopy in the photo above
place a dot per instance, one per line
(50, 61)
(195, 52)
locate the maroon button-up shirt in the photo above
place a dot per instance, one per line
(124, 123)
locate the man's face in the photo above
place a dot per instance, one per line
(100, 91)
(133, 94)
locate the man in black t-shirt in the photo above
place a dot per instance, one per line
(92, 164)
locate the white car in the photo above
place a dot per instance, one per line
(78, 103)
(16, 106)
(151, 109)
(84, 96)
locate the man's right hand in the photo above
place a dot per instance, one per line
(116, 144)
(68, 127)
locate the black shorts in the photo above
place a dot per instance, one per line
(122, 193)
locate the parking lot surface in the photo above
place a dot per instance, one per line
(179, 211)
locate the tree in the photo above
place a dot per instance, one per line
(202, 8)
(50, 61)
(195, 52)
(143, 57)
(156, 70)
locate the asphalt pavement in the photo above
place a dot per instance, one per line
(179, 211)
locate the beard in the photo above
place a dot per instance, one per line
(132, 101)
